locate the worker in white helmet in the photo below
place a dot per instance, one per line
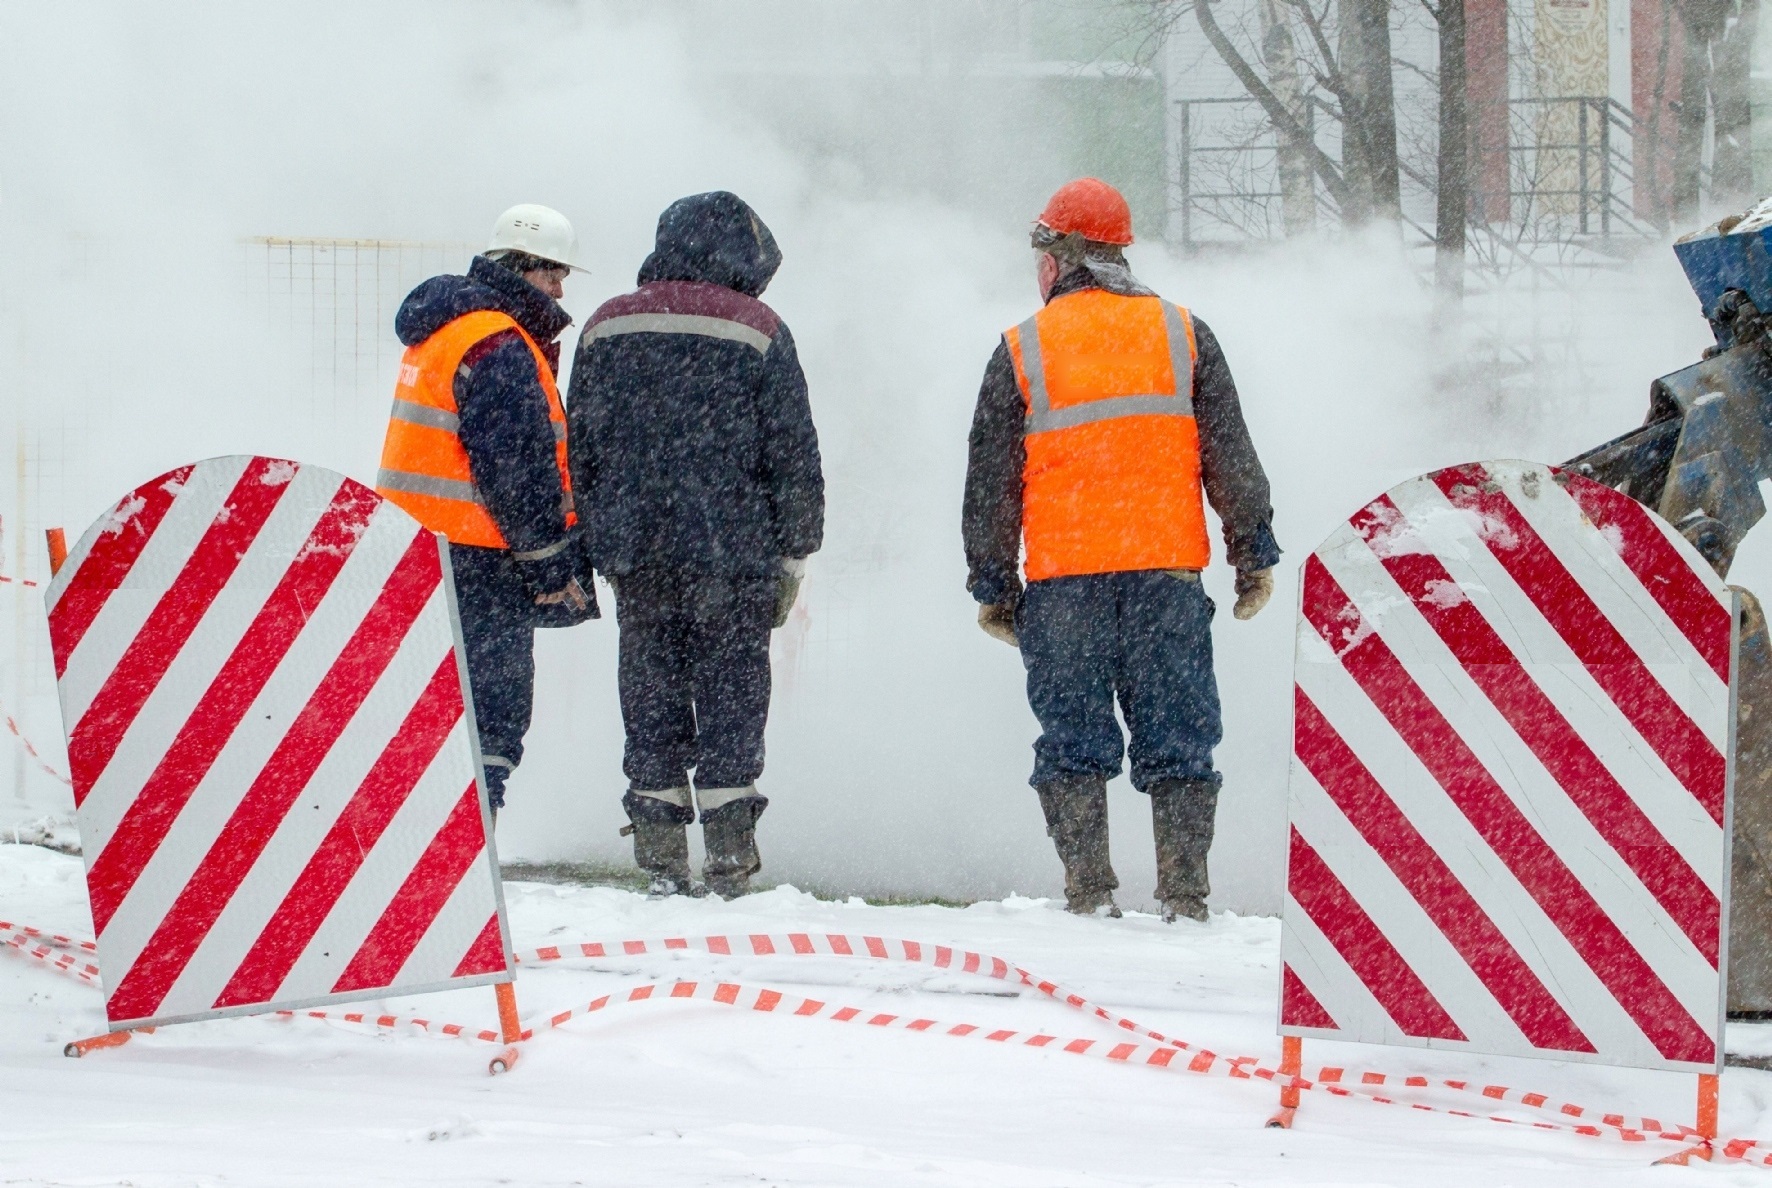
(476, 451)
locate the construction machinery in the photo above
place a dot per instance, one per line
(1697, 461)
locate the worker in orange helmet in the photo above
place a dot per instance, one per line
(1105, 423)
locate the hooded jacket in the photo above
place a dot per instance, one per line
(502, 408)
(690, 434)
(1235, 484)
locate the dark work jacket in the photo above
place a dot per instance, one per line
(504, 415)
(690, 432)
(1235, 483)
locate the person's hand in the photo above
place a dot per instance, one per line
(1254, 587)
(998, 621)
(787, 590)
(573, 595)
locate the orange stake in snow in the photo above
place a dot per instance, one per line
(1707, 1125)
(1291, 1064)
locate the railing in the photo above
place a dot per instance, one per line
(1565, 171)
(1228, 171)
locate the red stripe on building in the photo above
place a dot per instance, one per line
(1368, 952)
(1428, 879)
(486, 955)
(414, 908)
(280, 781)
(225, 703)
(1667, 577)
(1588, 783)
(347, 845)
(1298, 1006)
(175, 616)
(1599, 942)
(1601, 647)
(105, 567)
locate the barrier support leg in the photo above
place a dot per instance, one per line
(110, 1039)
(1291, 1064)
(1707, 1125)
(509, 1026)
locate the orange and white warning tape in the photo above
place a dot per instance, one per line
(1163, 1053)
(31, 749)
(54, 956)
(1340, 1081)
(1163, 1056)
(399, 1023)
(50, 938)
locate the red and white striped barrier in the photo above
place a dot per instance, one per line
(275, 770)
(1509, 830)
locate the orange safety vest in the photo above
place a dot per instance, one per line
(424, 468)
(1112, 479)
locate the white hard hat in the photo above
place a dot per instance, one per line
(536, 230)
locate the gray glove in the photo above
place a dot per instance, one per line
(787, 590)
(1253, 588)
(998, 621)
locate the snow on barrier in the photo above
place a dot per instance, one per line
(275, 768)
(1509, 795)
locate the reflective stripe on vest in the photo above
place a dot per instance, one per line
(1042, 417)
(424, 467)
(1112, 477)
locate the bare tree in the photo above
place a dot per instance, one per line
(1293, 131)
(1348, 61)
(1702, 22)
(1368, 100)
(1452, 178)
(1279, 52)
(1732, 175)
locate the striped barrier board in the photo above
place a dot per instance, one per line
(1509, 795)
(275, 769)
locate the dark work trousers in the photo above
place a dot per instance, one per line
(1144, 636)
(694, 677)
(496, 617)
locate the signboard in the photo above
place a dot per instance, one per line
(1509, 799)
(275, 768)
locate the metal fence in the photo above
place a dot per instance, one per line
(340, 295)
(1563, 169)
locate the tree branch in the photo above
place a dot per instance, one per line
(1284, 121)
(1314, 23)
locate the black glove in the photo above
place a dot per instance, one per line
(551, 577)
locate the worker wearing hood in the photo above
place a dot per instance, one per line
(696, 469)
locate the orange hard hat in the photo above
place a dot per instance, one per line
(1093, 208)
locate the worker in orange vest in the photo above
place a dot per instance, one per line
(1105, 423)
(476, 451)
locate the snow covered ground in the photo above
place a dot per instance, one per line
(686, 1092)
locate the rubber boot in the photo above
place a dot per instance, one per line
(661, 841)
(1182, 814)
(661, 850)
(730, 836)
(1076, 821)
